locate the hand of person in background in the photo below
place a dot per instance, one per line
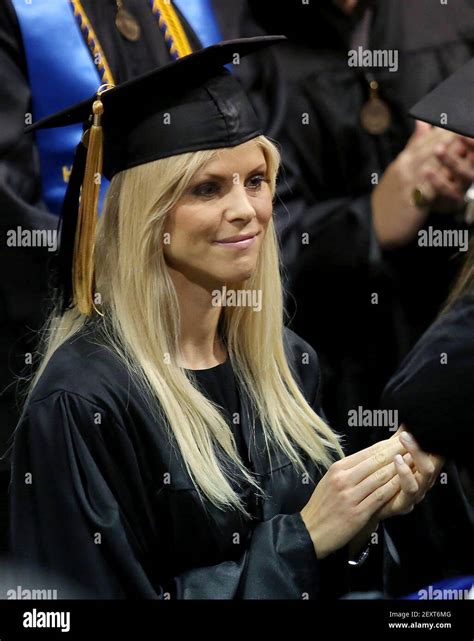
(457, 157)
(359, 490)
(440, 164)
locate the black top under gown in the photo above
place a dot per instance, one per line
(219, 385)
(100, 494)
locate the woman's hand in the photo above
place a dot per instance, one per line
(351, 492)
(384, 480)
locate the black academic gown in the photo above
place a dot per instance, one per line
(101, 510)
(433, 392)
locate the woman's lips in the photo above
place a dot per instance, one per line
(238, 244)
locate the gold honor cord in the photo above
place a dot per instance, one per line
(168, 22)
(93, 43)
(172, 28)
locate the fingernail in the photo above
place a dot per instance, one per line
(408, 438)
(399, 459)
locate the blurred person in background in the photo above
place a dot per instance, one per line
(433, 390)
(355, 165)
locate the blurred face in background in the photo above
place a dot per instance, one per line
(353, 9)
(346, 6)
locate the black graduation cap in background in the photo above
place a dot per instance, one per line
(451, 104)
(190, 104)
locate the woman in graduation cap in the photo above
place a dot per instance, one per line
(171, 445)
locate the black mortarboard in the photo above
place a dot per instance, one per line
(450, 104)
(190, 104)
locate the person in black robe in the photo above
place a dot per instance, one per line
(433, 386)
(443, 422)
(103, 488)
(433, 393)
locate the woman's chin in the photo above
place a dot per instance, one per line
(243, 271)
(237, 277)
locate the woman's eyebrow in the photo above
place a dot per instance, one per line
(208, 174)
(261, 167)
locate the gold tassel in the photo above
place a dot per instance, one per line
(83, 270)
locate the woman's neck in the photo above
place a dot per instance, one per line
(201, 347)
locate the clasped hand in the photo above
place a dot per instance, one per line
(384, 480)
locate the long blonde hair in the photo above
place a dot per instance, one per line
(141, 322)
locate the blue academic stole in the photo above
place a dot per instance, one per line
(61, 72)
(201, 18)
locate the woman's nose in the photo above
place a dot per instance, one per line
(238, 205)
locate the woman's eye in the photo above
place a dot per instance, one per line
(210, 189)
(256, 182)
(206, 189)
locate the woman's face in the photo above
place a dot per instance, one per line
(217, 227)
